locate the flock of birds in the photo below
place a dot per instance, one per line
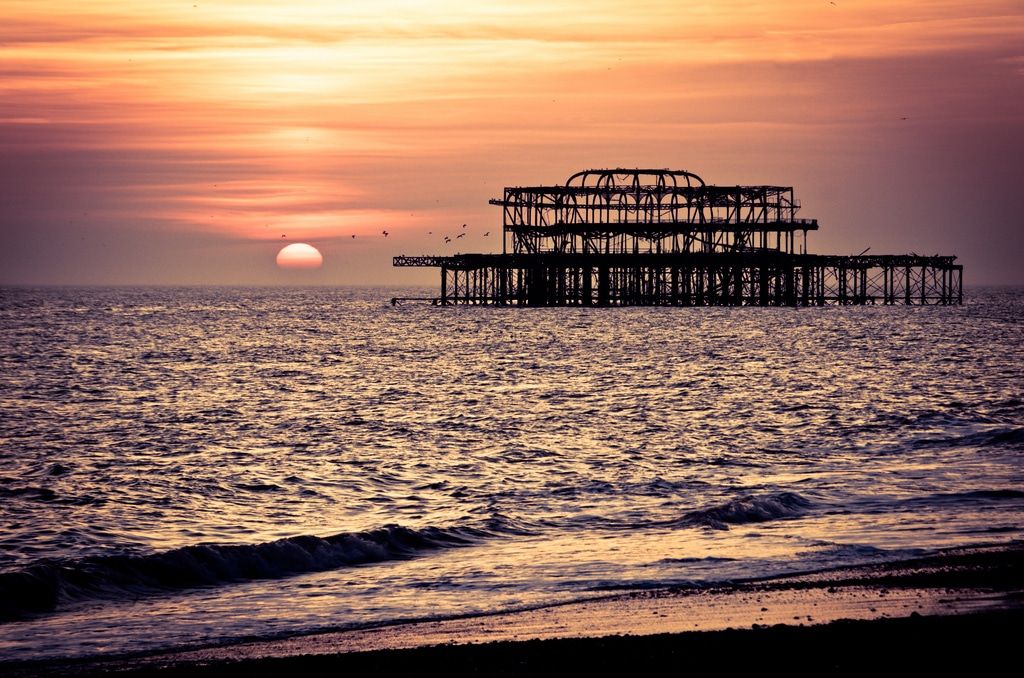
(447, 238)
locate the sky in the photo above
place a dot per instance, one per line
(158, 142)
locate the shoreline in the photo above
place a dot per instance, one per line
(974, 594)
(973, 642)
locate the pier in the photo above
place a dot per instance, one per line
(649, 237)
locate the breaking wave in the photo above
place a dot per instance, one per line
(45, 586)
(749, 509)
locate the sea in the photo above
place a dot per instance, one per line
(183, 467)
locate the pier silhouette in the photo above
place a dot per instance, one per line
(656, 237)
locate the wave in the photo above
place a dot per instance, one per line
(988, 438)
(968, 496)
(48, 496)
(43, 587)
(744, 509)
(749, 509)
(1006, 436)
(832, 552)
(695, 559)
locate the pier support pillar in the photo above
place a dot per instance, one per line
(603, 286)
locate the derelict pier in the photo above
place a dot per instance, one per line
(648, 237)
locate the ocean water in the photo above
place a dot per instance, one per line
(190, 466)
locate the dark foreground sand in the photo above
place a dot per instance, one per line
(962, 610)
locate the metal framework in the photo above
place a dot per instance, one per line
(629, 237)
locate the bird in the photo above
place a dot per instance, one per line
(430, 233)
(460, 235)
(903, 118)
(487, 234)
(385, 233)
(447, 239)
(463, 225)
(353, 237)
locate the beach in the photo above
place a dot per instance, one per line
(959, 607)
(972, 642)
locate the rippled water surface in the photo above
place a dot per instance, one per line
(184, 466)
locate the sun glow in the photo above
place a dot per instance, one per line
(227, 118)
(299, 255)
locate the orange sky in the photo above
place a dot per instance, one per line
(176, 142)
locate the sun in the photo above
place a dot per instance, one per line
(299, 255)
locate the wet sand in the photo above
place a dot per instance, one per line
(962, 608)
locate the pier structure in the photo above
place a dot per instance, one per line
(651, 237)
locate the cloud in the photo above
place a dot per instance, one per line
(239, 119)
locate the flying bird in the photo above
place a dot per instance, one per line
(487, 234)
(385, 233)
(447, 239)
(460, 235)
(463, 225)
(353, 236)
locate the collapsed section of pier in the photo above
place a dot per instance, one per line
(652, 237)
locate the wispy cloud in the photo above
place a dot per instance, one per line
(237, 117)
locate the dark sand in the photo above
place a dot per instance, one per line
(960, 610)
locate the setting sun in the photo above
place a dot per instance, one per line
(299, 255)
